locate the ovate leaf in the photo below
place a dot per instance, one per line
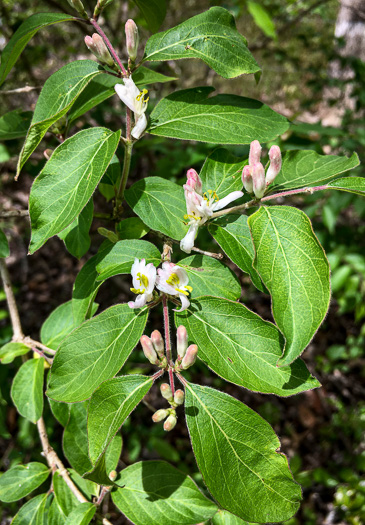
(65, 499)
(351, 184)
(32, 513)
(67, 182)
(242, 348)
(221, 172)
(95, 352)
(21, 480)
(232, 233)
(262, 18)
(27, 389)
(75, 438)
(131, 228)
(76, 236)
(155, 493)
(82, 514)
(10, 351)
(294, 268)
(153, 11)
(109, 407)
(15, 124)
(160, 204)
(224, 119)
(22, 36)
(211, 36)
(236, 452)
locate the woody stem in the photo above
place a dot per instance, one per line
(166, 323)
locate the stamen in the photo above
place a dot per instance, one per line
(137, 291)
(173, 280)
(142, 279)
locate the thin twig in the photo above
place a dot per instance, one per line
(166, 323)
(203, 252)
(14, 213)
(109, 45)
(25, 89)
(48, 359)
(13, 310)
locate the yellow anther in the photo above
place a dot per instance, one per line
(137, 291)
(189, 288)
(173, 280)
(142, 279)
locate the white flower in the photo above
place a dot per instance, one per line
(200, 207)
(173, 280)
(144, 278)
(136, 101)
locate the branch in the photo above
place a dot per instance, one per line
(14, 213)
(13, 310)
(109, 46)
(25, 89)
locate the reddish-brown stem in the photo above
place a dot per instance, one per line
(166, 323)
(158, 374)
(109, 46)
(48, 359)
(181, 378)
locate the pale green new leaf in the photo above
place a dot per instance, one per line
(57, 96)
(221, 172)
(350, 184)
(155, 493)
(10, 351)
(224, 119)
(160, 204)
(294, 268)
(15, 124)
(109, 407)
(211, 277)
(308, 168)
(95, 352)
(21, 480)
(262, 18)
(82, 514)
(232, 233)
(76, 236)
(23, 34)
(242, 348)
(236, 452)
(153, 11)
(211, 36)
(67, 182)
(120, 258)
(223, 517)
(32, 513)
(27, 389)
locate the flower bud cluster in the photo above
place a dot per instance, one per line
(253, 175)
(153, 348)
(169, 414)
(97, 46)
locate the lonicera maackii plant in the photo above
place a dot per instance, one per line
(83, 352)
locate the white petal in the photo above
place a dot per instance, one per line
(222, 203)
(140, 126)
(125, 96)
(182, 275)
(185, 303)
(131, 86)
(187, 243)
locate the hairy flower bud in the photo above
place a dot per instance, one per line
(166, 392)
(97, 46)
(247, 179)
(132, 38)
(193, 181)
(148, 350)
(258, 179)
(170, 423)
(190, 357)
(158, 343)
(79, 6)
(179, 397)
(275, 164)
(160, 415)
(255, 153)
(182, 341)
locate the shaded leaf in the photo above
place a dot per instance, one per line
(131, 228)
(32, 513)
(15, 124)
(221, 172)
(27, 389)
(153, 11)
(4, 245)
(21, 480)
(76, 236)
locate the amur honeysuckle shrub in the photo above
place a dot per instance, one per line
(81, 352)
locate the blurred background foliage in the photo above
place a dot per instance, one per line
(314, 78)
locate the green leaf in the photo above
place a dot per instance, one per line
(221, 172)
(294, 268)
(109, 407)
(57, 96)
(95, 352)
(15, 124)
(4, 245)
(211, 277)
(21, 480)
(144, 76)
(32, 513)
(75, 439)
(160, 204)
(153, 11)
(99, 473)
(55, 515)
(65, 499)
(10, 351)
(211, 36)
(22, 36)
(232, 233)
(131, 228)
(155, 493)
(262, 19)
(224, 119)
(27, 389)
(113, 173)
(82, 515)
(223, 517)
(61, 411)
(76, 236)
(242, 348)
(351, 184)
(235, 450)
(308, 168)
(67, 182)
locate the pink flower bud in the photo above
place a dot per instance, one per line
(258, 179)
(182, 341)
(247, 179)
(179, 397)
(190, 357)
(148, 350)
(166, 392)
(113, 475)
(255, 153)
(132, 38)
(194, 182)
(170, 423)
(157, 341)
(160, 415)
(97, 46)
(275, 164)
